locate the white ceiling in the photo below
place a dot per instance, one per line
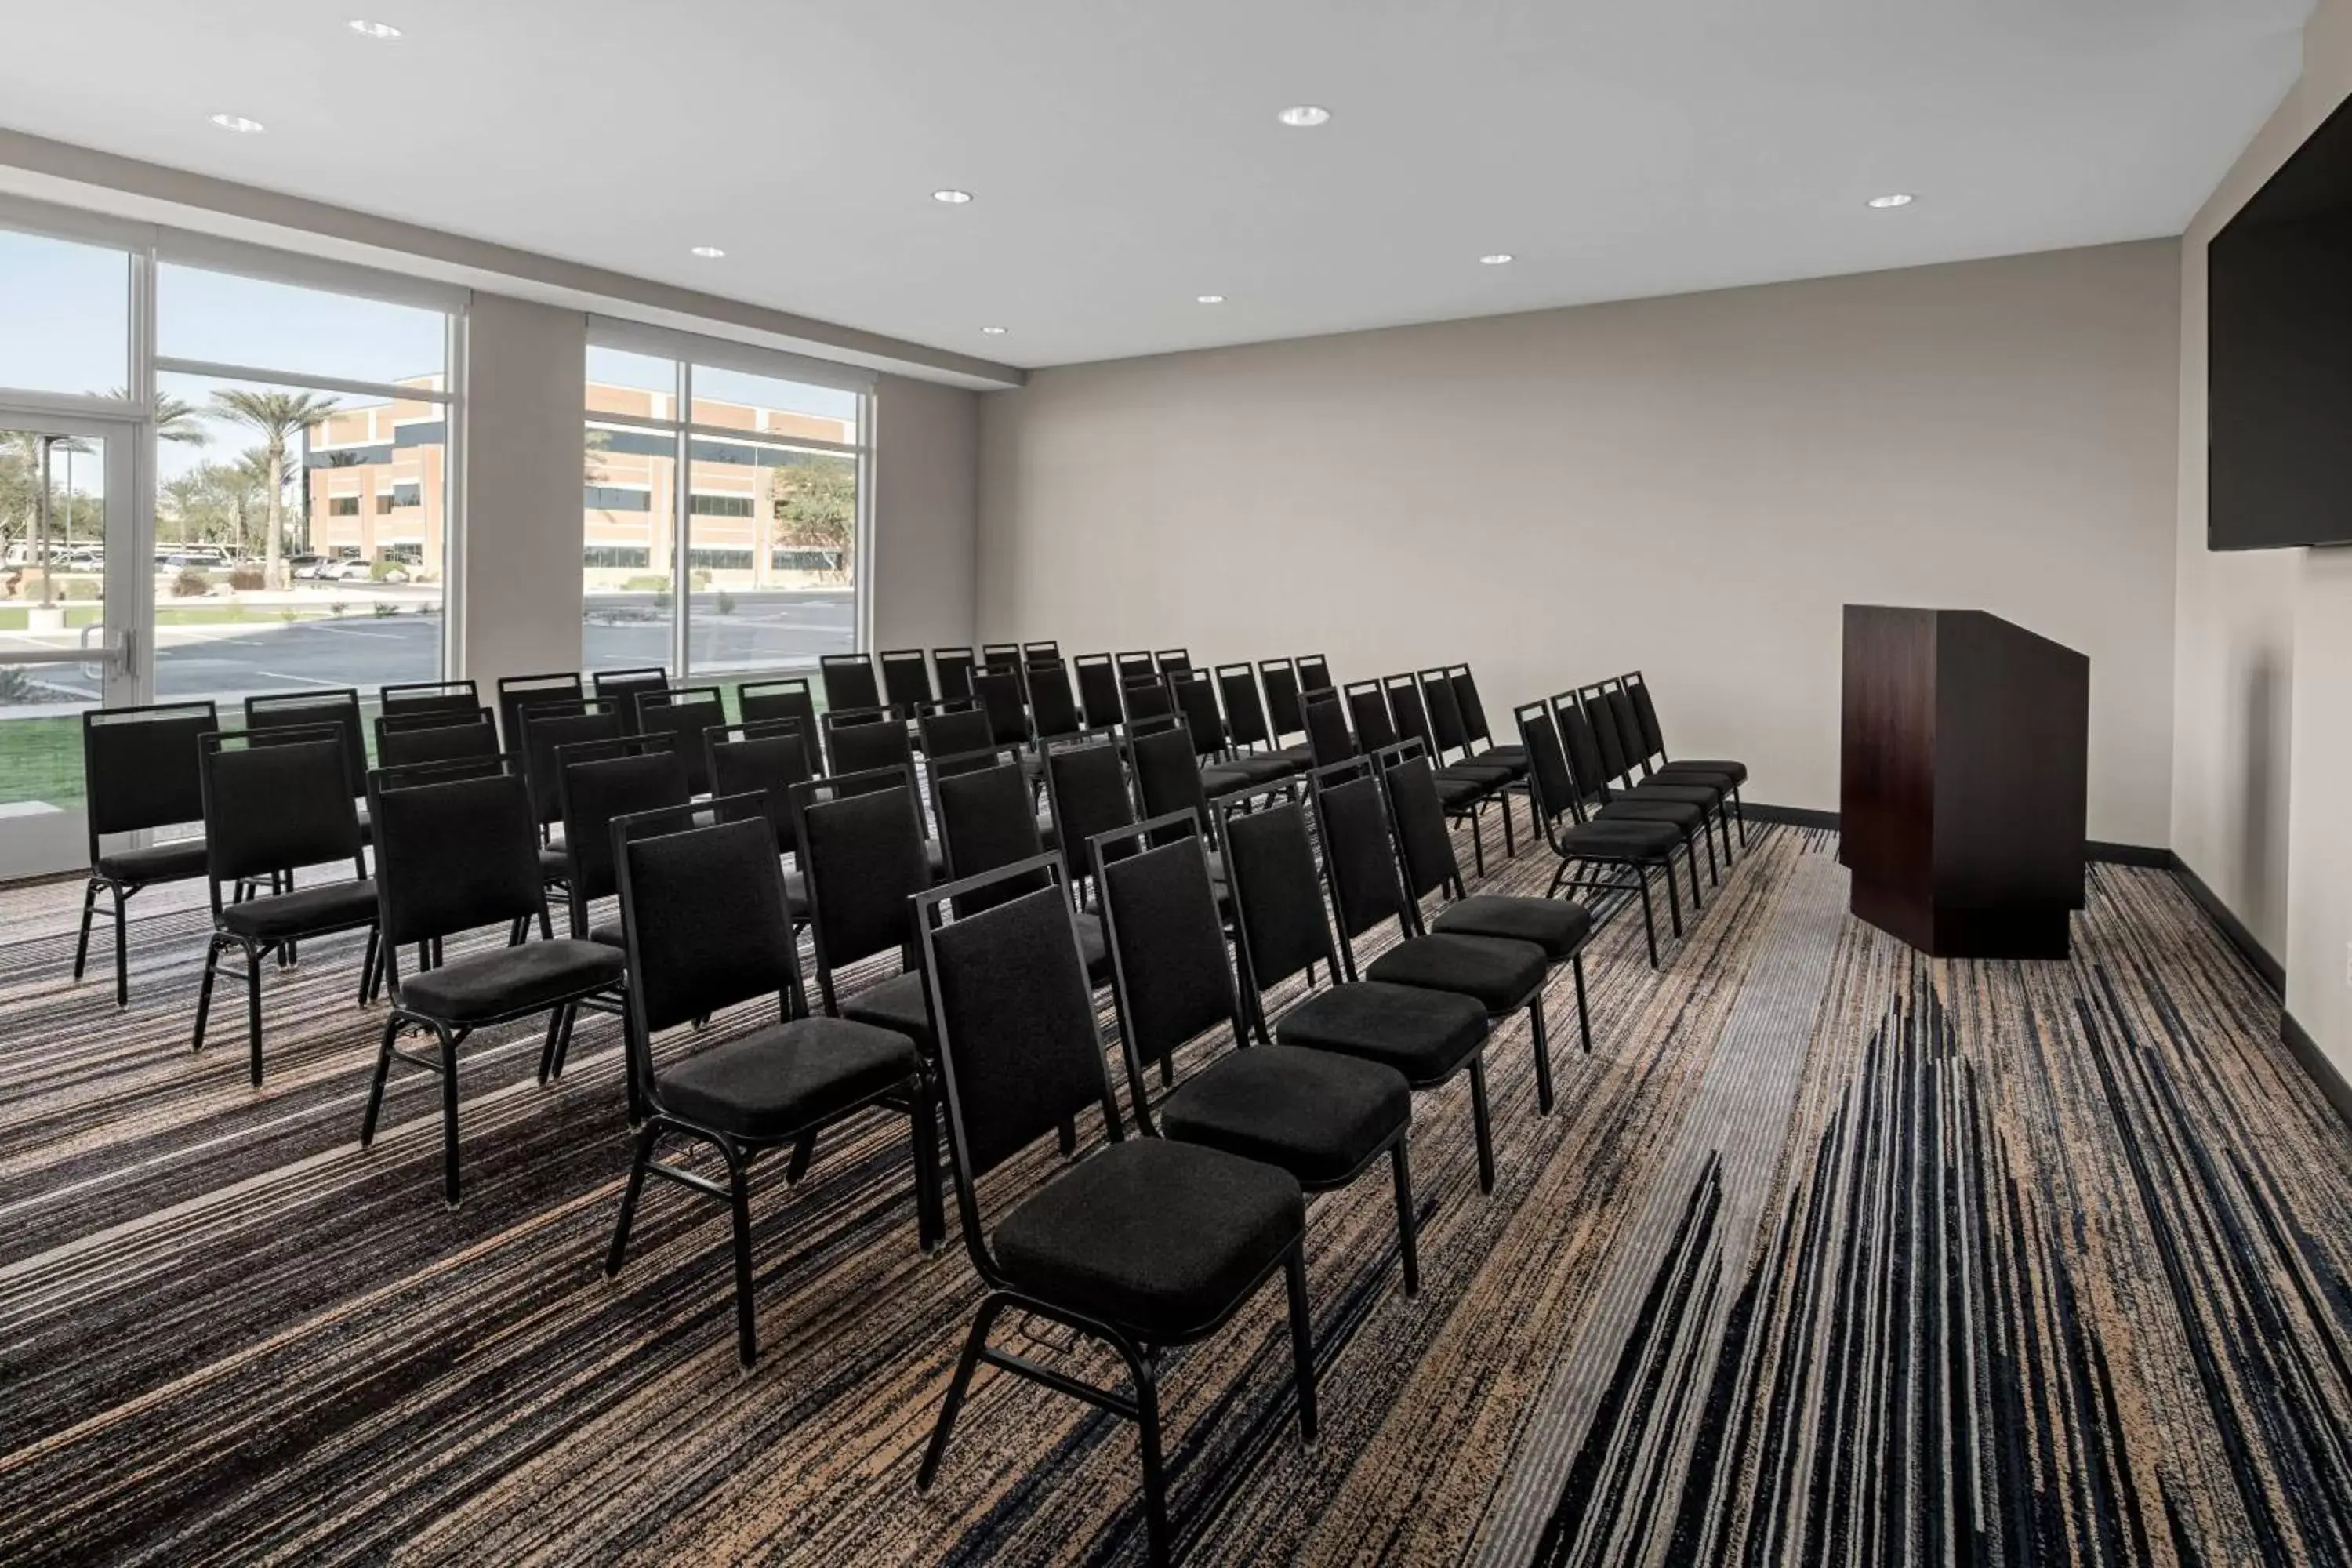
(1126, 157)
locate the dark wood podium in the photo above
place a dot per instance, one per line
(1963, 789)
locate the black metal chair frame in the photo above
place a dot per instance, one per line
(122, 889)
(953, 668)
(407, 697)
(622, 688)
(1649, 741)
(712, 700)
(1580, 851)
(1497, 786)
(805, 800)
(517, 693)
(1689, 818)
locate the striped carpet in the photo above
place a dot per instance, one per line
(1827, 1254)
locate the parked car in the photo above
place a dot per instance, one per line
(305, 566)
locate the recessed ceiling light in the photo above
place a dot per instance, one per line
(1500, 259)
(1210, 298)
(993, 331)
(709, 252)
(238, 123)
(1304, 115)
(953, 198)
(1897, 199)
(383, 30)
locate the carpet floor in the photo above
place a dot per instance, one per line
(1827, 1254)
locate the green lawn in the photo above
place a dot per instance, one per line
(40, 759)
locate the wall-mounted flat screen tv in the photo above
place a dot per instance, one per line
(2279, 326)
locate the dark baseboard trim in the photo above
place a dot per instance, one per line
(2097, 850)
(2273, 972)
(2313, 1061)
(1790, 816)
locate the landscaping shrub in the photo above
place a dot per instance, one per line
(726, 602)
(646, 585)
(246, 579)
(383, 610)
(190, 584)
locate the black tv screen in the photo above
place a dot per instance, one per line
(2279, 330)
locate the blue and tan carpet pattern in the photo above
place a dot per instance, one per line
(1827, 1254)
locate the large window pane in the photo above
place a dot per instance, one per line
(769, 535)
(228, 319)
(65, 316)
(628, 506)
(636, 385)
(771, 405)
(53, 512)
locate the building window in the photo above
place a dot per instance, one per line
(343, 506)
(618, 498)
(625, 557)
(383, 506)
(409, 552)
(718, 558)
(722, 506)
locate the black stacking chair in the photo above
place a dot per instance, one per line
(1196, 700)
(764, 761)
(519, 692)
(1449, 729)
(1493, 780)
(906, 681)
(987, 822)
(434, 736)
(1143, 697)
(1098, 690)
(459, 856)
(1134, 664)
(1686, 811)
(1169, 778)
(709, 928)
(623, 687)
(1052, 702)
(1284, 715)
(599, 781)
(1086, 791)
(1617, 733)
(862, 849)
(1000, 696)
(1046, 652)
(764, 701)
(1618, 699)
(1656, 764)
(1483, 747)
(956, 735)
(276, 803)
(683, 713)
(1146, 1243)
(1561, 927)
(1603, 857)
(1281, 929)
(859, 740)
(1246, 729)
(304, 709)
(1170, 660)
(1003, 655)
(1359, 861)
(954, 667)
(406, 697)
(1313, 673)
(849, 681)
(141, 771)
(1323, 1117)
(1329, 738)
(545, 727)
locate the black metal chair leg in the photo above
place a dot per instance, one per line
(1690, 861)
(739, 1188)
(1302, 1341)
(1583, 1013)
(1543, 1055)
(1739, 808)
(973, 1343)
(1477, 845)
(448, 1115)
(121, 948)
(1478, 1124)
(1510, 842)
(1674, 900)
(1408, 1223)
(1068, 1137)
(376, 1086)
(88, 908)
(1649, 920)
(564, 1040)
(253, 1009)
(367, 970)
(1713, 879)
(204, 991)
(645, 1153)
(547, 1047)
(804, 1150)
(1155, 1474)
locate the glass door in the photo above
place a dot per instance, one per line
(70, 587)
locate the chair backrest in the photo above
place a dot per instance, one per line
(452, 854)
(1097, 689)
(767, 759)
(761, 701)
(1000, 697)
(1367, 707)
(603, 780)
(1005, 654)
(1405, 707)
(622, 688)
(1046, 652)
(1628, 722)
(704, 911)
(1313, 673)
(547, 726)
(411, 775)
(1145, 697)
(1284, 713)
(1358, 857)
(863, 740)
(954, 667)
(1196, 699)
(1171, 660)
(1447, 732)
(1166, 773)
(1244, 714)
(953, 734)
(986, 822)
(849, 681)
(1329, 738)
(1169, 974)
(1645, 714)
(907, 680)
(683, 713)
(1418, 815)
(141, 767)
(302, 710)
(435, 735)
(1086, 788)
(1551, 788)
(275, 800)
(1473, 712)
(1608, 740)
(428, 696)
(1053, 703)
(1019, 1055)
(1135, 662)
(519, 692)
(1588, 760)
(1278, 900)
(861, 850)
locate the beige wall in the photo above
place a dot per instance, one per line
(926, 476)
(1691, 485)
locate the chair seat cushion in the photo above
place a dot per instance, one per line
(1706, 795)
(1621, 838)
(329, 907)
(1453, 794)
(507, 980)
(1641, 808)
(1302, 755)
(785, 1077)
(1736, 772)
(1219, 781)
(1424, 1035)
(896, 1004)
(1317, 1114)
(1500, 973)
(1559, 926)
(1262, 767)
(1512, 757)
(554, 865)
(1490, 775)
(173, 861)
(1157, 1237)
(610, 933)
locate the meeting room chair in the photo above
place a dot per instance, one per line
(683, 713)
(141, 771)
(987, 821)
(519, 692)
(1135, 664)
(1087, 795)
(1602, 856)
(1003, 655)
(1617, 734)
(406, 697)
(1313, 673)
(1647, 743)
(1098, 690)
(547, 726)
(1483, 745)
(1001, 696)
(1247, 725)
(597, 782)
(1492, 781)
(276, 803)
(1145, 1245)
(1449, 732)
(954, 667)
(849, 681)
(863, 851)
(780, 1084)
(1052, 702)
(761, 762)
(338, 706)
(454, 856)
(434, 736)
(906, 681)
(622, 688)
(1046, 652)
(1324, 716)
(761, 701)
(1171, 661)
(1686, 812)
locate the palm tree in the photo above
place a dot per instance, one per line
(176, 418)
(277, 416)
